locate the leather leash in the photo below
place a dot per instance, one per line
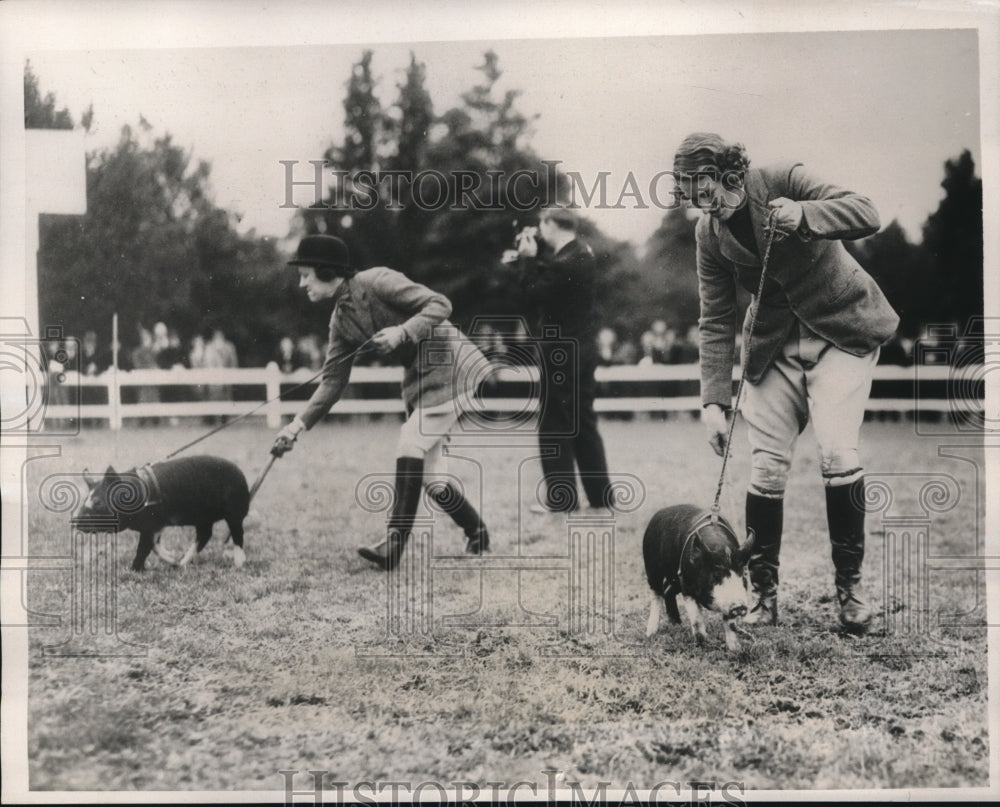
(260, 406)
(746, 361)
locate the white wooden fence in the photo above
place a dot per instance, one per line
(250, 387)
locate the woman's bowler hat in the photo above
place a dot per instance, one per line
(322, 252)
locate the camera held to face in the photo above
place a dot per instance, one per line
(527, 232)
(526, 243)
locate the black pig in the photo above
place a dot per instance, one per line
(688, 554)
(190, 491)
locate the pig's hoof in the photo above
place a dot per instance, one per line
(239, 557)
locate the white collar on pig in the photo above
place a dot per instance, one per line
(148, 478)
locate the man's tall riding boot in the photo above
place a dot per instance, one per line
(409, 483)
(765, 517)
(452, 502)
(845, 515)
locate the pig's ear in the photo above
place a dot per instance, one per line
(743, 553)
(111, 471)
(90, 479)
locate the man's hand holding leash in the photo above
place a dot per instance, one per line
(786, 217)
(714, 419)
(286, 438)
(388, 339)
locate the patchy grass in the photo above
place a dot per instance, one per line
(293, 663)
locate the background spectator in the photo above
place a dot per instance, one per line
(647, 344)
(663, 341)
(144, 358)
(288, 357)
(169, 356)
(311, 351)
(170, 353)
(93, 360)
(898, 350)
(611, 350)
(685, 349)
(161, 341)
(607, 343)
(196, 354)
(220, 354)
(61, 359)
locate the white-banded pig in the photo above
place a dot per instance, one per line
(189, 491)
(691, 555)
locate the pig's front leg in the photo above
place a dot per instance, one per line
(693, 611)
(147, 540)
(161, 553)
(203, 534)
(656, 610)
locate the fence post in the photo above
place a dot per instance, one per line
(273, 390)
(114, 401)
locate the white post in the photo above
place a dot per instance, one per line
(114, 391)
(272, 391)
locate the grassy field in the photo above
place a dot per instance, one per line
(292, 663)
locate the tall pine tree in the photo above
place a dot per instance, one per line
(953, 238)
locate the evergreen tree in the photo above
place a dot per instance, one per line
(40, 112)
(153, 247)
(953, 238)
(363, 121)
(464, 241)
(901, 269)
(409, 124)
(352, 209)
(450, 229)
(665, 285)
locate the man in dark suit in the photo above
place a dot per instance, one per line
(820, 319)
(557, 277)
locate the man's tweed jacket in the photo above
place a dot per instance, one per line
(443, 368)
(810, 278)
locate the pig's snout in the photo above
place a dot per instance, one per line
(730, 597)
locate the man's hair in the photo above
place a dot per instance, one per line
(563, 217)
(707, 152)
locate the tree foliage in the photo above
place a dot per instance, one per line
(666, 286)
(939, 280)
(449, 218)
(953, 238)
(154, 246)
(40, 111)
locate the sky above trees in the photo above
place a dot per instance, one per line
(879, 111)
